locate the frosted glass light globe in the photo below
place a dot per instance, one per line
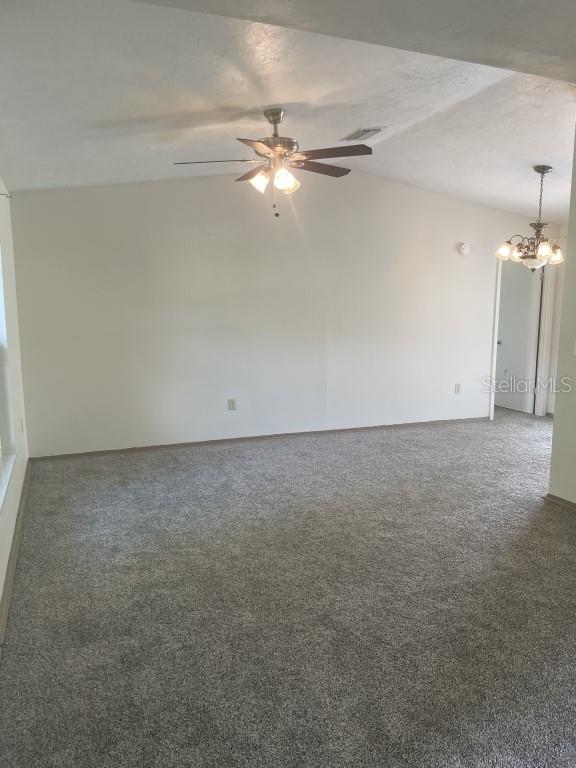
(544, 249)
(503, 253)
(260, 182)
(557, 255)
(534, 262)
(285, 181)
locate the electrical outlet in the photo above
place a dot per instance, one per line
(232, 404)
(456, 389)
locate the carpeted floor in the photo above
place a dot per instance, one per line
(384, 598)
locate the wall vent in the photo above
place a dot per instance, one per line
(361, 134)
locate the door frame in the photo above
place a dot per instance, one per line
(545, 333)
(545, 339)
(494, 351)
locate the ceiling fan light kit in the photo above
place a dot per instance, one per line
(279, 154)
(261, 180)
(533, 251)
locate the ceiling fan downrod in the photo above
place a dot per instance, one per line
(275, 115)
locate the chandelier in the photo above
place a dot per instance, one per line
(534, 251)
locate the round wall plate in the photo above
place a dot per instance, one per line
(464, 249)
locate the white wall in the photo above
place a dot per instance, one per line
(562, 474)
(13, 426)
(144, 307)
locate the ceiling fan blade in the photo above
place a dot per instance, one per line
(327, 170)
(257, 146)
(350, 151)
(253, 172)
(203, 162)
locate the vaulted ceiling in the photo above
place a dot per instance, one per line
(115, 91)
(522, 35)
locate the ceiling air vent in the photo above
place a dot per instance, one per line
(361, 134)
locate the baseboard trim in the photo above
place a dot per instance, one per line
(13, 556)
(247, 438)
(561, 502)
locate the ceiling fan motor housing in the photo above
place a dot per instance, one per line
(282, 146)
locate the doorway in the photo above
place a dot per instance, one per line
(519, 321)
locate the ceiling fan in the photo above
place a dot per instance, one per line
(277, 154)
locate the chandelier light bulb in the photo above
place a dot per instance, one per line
(544, 250)
(294, 188)
(285, 181)
(516, 254)
(503, 253)
(557, 255)
(261, 181)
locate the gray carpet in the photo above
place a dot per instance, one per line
(394, 597)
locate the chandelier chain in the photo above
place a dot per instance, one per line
(540, 200)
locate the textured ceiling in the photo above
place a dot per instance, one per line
(523, 35)
(109, 91)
